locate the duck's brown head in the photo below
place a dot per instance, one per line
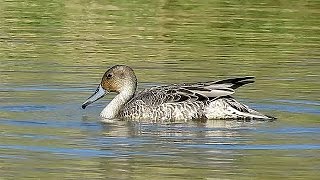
(119, 79)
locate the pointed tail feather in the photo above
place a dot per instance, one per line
(234, 83)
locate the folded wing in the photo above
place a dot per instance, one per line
(190, 92)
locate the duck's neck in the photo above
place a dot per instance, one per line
(111, 111)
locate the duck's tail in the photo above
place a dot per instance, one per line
(228, 108)
(233, 83)
(253, 114)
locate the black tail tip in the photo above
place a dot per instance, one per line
(272, 117)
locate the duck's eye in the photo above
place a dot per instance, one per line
(109, 76)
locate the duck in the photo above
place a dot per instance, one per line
(175, 102)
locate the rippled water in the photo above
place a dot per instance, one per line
(53, 54)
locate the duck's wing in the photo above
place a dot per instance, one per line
(214, 89)
(167, 94)
(233, 83)
(190, 92)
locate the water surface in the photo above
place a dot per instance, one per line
(53, 54)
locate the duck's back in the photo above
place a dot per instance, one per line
(209, 100)
(165, 103)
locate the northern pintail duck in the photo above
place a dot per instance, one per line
(205, 100)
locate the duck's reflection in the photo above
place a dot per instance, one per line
(142, 147)
(197, 129)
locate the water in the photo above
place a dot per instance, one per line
(53, 54)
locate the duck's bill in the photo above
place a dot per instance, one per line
(99, 93)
